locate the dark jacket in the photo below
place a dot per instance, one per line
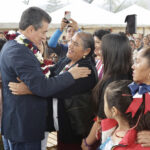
(24, 116)
(0, 99)
(77, 96)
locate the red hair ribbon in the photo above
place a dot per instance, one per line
(136, 103)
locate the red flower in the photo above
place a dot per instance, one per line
(30, 45)
(35, 51)
(48, 62)
(10, 36)
(46, 70)
(43, 65)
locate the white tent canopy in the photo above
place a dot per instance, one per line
(10, 11)
(84, 13)
(142, 15)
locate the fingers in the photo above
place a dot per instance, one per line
(145, 145)
(15, 93)
(76, 65)
(19, 79)
(144, 133)
(143, 138)
(14, 87)
(12, 84)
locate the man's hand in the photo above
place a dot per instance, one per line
(143, 138)
(79, 72)
(19, 88)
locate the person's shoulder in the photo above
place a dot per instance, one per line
(86, 62)
(13, 50)
(64, 60)
(13, 45)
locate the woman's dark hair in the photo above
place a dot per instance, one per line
(117, 59)
(146, 54)
(100, 33)
(88, 42)
(33, 16)
(116, 52)
(118, 95)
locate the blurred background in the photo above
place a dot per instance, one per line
(89, 14)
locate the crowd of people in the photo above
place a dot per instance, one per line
(93, 89)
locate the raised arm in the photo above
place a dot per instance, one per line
(55, 37)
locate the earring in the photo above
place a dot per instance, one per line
(84, 56)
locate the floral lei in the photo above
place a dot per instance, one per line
(21, 39)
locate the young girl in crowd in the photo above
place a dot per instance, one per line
(124, 120)
(98, 34)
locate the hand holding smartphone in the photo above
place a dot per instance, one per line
(67, 16)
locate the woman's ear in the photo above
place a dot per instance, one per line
(87, 51)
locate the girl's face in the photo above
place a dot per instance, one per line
(97, 50)
(141, 69)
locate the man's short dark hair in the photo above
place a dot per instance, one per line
(33, 16)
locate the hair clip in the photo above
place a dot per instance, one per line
(126, 95)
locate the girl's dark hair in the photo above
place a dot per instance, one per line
(116, 52)
(118, 95)
(117, 58)
(100, 33)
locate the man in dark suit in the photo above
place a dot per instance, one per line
(24, 117)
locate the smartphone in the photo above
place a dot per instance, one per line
(67, 16)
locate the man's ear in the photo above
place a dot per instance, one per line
(30, 29)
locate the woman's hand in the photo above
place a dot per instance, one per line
(143, 138)
(19, 88)
(83, 146)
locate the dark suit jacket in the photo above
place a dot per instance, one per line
(0, 99)
(24, 117)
